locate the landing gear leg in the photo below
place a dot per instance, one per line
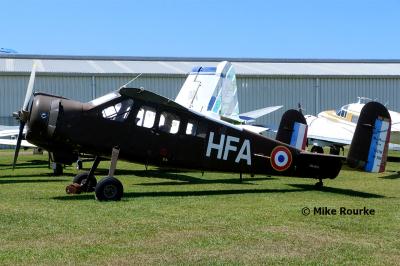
(319, 184)
(79, 164)
(110, 188)
(84, 182)
(57, 169)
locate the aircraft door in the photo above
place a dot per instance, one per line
(191, 146)
(142, 135)
(164, 145)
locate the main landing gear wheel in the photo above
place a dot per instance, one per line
(109, 188)
(82, 179)
(317, 149)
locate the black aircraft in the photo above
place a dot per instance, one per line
(137, 125)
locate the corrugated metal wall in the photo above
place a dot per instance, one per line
(314, 94)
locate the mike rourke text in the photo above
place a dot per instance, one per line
(343, 211)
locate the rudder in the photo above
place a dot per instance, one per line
(369, 146)
(293, 129)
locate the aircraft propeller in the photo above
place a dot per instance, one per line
(23, 114)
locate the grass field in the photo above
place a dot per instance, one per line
(187, 218)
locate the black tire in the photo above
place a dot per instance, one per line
(317, 149)
(109, 188)
(81, 179)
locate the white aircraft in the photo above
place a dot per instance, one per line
(213, 92)
(9, 134)
(336, 128)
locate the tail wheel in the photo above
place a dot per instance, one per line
(82, 179)
(109, 188)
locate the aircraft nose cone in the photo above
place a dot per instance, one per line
(39, 119)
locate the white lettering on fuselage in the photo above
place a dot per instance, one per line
(225, 147)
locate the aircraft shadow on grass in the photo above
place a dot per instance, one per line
(181, 179)
(184, 193)
(298, 188)
(342, 191)
(395, 175)
(36, 175)
(18, 181)
(178, 177)
(27, 164)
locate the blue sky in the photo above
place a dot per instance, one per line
(268, 29)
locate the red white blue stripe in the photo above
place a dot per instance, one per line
(299, 136)
(378, 147)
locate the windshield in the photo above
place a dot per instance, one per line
(105, 98)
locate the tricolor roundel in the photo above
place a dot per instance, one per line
(281, 158)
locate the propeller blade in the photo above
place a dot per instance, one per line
(29, 90)
(18, 146)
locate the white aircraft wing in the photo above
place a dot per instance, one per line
(9, 131)
(255, 129)
(12, 131)
(13, 142)
(323, 130)
(260, 112)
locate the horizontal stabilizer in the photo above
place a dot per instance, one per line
(254, 128)
(252, 115)
(369, 147)
(293, 129)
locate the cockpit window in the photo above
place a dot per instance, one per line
(105, 98)
(118, 111)
(169, 123)
(341, 113)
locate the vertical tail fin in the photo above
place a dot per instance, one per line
(369, 146)
(293, 129)
(211, 89)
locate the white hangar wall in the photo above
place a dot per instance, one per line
(316, 85)
(313, 93)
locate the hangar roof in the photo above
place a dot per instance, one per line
(19, 63)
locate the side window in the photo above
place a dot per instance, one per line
(191, 128)
(119, 111)
(145, 117)
(169, 123)
(194, 128)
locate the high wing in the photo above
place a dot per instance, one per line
(148, 96)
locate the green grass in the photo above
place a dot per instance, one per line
(187, 218)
